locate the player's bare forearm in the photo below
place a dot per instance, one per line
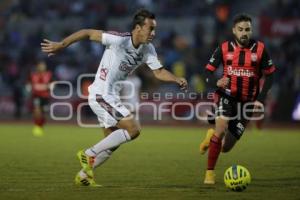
(223, 82)
(51, 47)
(165, 75)
(91, 34)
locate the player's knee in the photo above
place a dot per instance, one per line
(224, 126)
(220, 132)
(221, 122)
(221, 129)
(134, 132)
(131, 126)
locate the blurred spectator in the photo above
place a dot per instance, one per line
(14, 80)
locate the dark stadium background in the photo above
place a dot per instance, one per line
(186, 36)
(164, 163)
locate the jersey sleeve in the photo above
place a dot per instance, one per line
(266, 64)
(215, 60)
(111, 38)
(150, 58)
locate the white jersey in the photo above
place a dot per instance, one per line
(120, 58)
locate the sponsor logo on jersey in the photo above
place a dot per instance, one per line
(229, 56)
(125, 67)
(240, 72)
(253, 57)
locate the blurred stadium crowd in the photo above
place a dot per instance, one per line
(187, 33)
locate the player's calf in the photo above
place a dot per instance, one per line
(228, 142)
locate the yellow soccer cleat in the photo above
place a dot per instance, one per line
(205, 143)
(85, 181)
(210, 177)
(38, 131)
(86, 163)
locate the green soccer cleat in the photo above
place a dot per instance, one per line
(38, 131)
(85, 181)
(86, 163)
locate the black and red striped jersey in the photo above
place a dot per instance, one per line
(243, 66)
(40, 82)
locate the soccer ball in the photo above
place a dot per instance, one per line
(237, 178)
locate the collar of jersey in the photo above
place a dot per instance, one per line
(131, 41)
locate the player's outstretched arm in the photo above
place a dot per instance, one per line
(51, 47)
(165, 75)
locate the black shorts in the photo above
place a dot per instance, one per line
(237, 112)
(40, 102)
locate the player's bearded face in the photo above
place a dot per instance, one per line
(242, 32)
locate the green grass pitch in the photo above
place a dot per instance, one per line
(163, 163)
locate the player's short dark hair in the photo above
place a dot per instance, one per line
(140, 16)
(241, 18)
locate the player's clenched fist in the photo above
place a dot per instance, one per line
(182, 83)
(223, 82)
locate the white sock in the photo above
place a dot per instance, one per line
(113, 140)
(102, 157)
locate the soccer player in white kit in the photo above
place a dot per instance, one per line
(123, 54)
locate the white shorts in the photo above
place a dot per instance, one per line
(108, 109)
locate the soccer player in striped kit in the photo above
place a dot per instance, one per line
(39, 85)
(123, 54)
(237, 95)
